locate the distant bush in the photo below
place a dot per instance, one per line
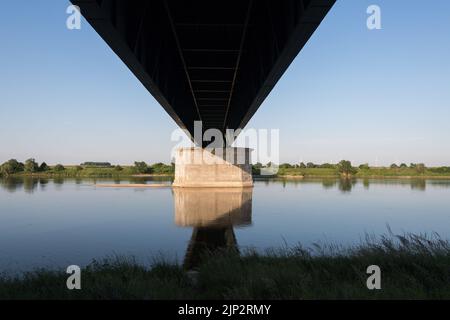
(310, 165)
(97, 164)
(420, 168)
(78, 168)
(258, 165)
(10, 167)
(256, 170)
(345, 168)
(31, 166)
(161, 168)
(364, 166)
(118, 168)
(394, 166)
(327, 166)
(59, 168)
(141, 167)
(442, 170)
(43, 167)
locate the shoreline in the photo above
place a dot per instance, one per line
(290, 177)
(131, 185)
(93, 176)
(300, 177)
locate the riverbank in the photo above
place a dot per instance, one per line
(142, 170)
(370, 173)
(77, 172)
(133, 185)
(412, 267)
(128, 172)
(31, 168)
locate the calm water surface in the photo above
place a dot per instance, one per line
(55, 223)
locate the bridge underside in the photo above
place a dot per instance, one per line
(209, 60)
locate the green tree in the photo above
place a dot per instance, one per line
(141, 167)
(420, 168)
(11, 166)
(256, 168)
(59, 168)
(161, 168)
(310, 165)
(394, 166)
(302, 165)
(43, 167)
(78, 168)
(31, 166)
(118, 168)
(403, 165)
(345, 168)
(364, 166)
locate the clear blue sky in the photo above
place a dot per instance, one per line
(377, 96)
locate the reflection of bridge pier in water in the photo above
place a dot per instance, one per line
(212, 213)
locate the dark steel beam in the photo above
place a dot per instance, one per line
(209, 25)
(180, 51)
(202, 80)
(238, 61)
(213, 50)
(210, 68)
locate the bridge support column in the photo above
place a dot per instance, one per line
(220, 167)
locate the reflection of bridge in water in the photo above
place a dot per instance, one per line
(212, 213)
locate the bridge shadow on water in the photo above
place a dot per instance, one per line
(212, 213)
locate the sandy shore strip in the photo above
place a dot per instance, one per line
(133, 185)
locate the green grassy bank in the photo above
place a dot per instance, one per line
(372, 172)
(76, 172)
(130, 171)
(310, 170)
(412, 267)
(14, 168)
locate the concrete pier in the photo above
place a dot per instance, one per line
(220, 167)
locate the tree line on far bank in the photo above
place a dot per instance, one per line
(345, 168)
(364, 166)
(31, 166)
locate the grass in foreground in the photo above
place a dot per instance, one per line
(413, 267)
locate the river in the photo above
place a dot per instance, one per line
(55, 223)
